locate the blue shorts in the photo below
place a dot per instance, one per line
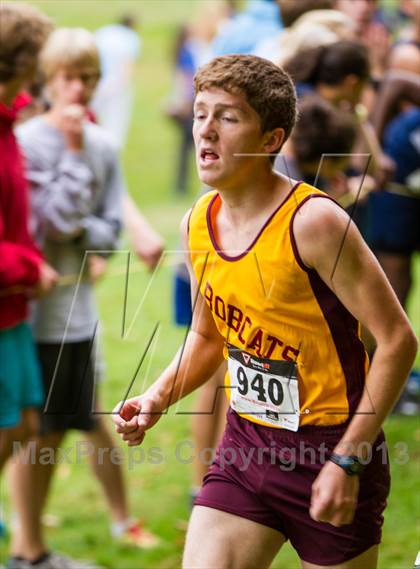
(394, 223)
(182, 301)
(20, 377)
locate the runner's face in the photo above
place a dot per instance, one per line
(225, 125)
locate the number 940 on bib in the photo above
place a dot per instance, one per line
(265, 390)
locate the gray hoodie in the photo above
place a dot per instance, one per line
(76, 203)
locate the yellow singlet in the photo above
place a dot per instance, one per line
(267, 303)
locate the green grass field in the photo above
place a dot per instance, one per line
(158, 484)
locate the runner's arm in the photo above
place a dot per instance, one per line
(345, 263)
(347, 266)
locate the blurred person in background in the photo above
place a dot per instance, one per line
(339, 73)
(23, 272)
(371, 29)
(394, 212)
(397, 222)
(76, 196)
(403, 55)
(400, 17)
(259, 20)
(362, 13)
(119, 47)
(313, 29)
(179, 106)
(192, 48)
(290, 12)
(146, 242)
(320, 148)
(408, 26)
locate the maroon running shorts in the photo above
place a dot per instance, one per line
(265, 475)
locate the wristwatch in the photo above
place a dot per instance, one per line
(350, 464)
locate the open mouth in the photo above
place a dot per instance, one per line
(207, 156)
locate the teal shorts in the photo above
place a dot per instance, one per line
(20, 377)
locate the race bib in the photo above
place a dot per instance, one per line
(266, 389)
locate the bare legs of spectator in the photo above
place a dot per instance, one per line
(29, 485)
(107, 470)
(19, 434)
(30, 482)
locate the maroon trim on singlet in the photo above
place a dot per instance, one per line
(248, 249)
(344, 331)
(342, 324)
(292, 236)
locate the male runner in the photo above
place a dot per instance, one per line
(284, 278)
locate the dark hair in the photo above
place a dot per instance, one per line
(128, 20)
(291, 10)
(321, 129)
(330, 64)
(267, 88)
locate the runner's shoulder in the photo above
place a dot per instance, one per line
(320, 212)
(318, 228)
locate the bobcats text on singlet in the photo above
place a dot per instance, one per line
(268, 304)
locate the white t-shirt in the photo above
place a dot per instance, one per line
(117, 45)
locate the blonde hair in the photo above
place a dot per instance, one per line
(23, 31)
(69, 48)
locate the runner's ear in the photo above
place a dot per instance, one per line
(274, 140)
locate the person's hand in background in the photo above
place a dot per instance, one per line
(146, 242)
(48, 278)
(97, 267)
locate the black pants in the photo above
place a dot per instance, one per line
(69, 384)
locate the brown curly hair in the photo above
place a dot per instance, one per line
(267, 88)
(23, 31)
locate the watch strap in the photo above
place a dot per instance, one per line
(349, 463)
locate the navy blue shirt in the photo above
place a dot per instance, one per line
(401, 142)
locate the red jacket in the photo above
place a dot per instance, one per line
(19, 258)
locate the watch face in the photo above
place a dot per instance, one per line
(353, 466)
(349, 464)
